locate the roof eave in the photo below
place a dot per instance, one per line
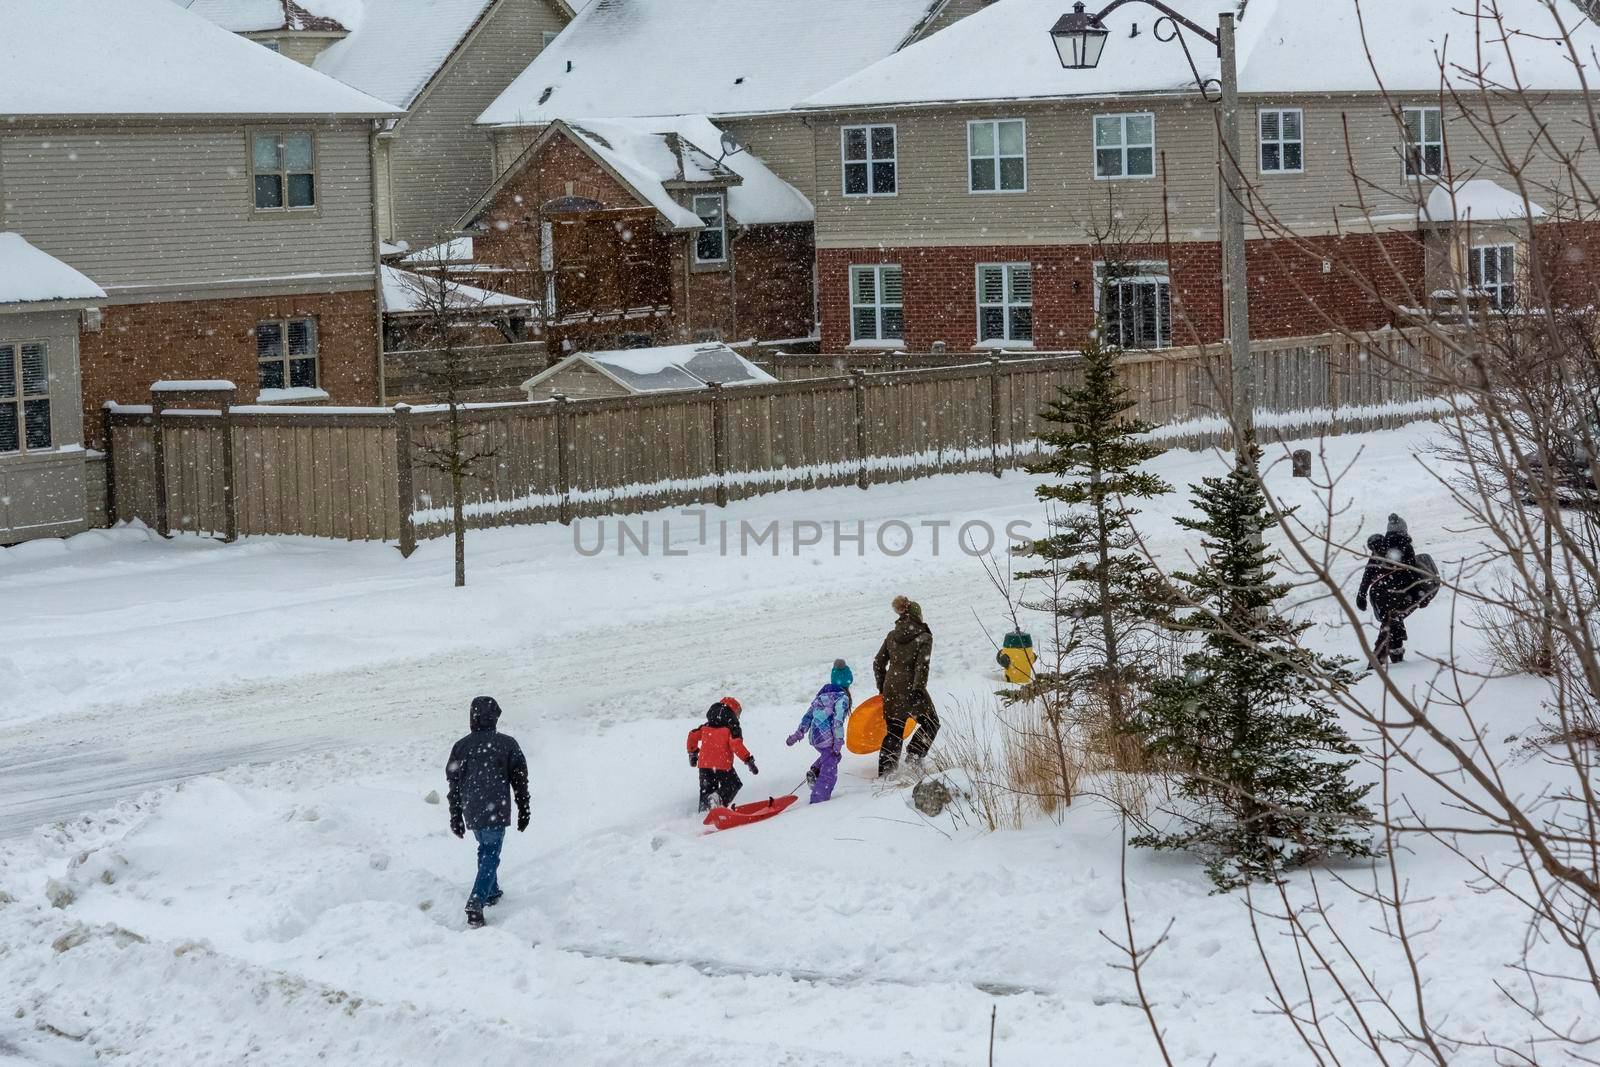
(27, 307)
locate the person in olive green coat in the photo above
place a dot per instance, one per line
(901, 671)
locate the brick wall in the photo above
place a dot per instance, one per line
(775, 281)
(200, 339)
(1289, 288)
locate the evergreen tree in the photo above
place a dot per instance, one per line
(1097, 577)
(1248, 725)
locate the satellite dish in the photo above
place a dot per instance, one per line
(730, 146)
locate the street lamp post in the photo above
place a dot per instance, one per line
(1080, 40)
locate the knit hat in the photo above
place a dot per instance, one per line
(1397, 526)
(732, 705)
(914, 610)
(842, 676)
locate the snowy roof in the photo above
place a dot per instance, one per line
(30, 276)
(703, 57)
(1477, 200)
(151, 57)
(654, 370)
(405, 292)
(455, 250)
(1005, 52)
(397, 46)
(259, 16)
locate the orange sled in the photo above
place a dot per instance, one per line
(745, 814)
(865, 729)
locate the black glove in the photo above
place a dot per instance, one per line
(694, 759)
(522, 820)
(458, 827)
(1361, 603)
(751, 763)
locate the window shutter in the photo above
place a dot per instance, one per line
(1022, 285)
(35, 371)
(891, 285)
(866, 289)
(1269, 126)
(992, 285)
(8, 372)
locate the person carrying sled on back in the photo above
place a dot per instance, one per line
(1399, 581)
(824, 723)
(713, 746)
(901, 670)
(486, 769)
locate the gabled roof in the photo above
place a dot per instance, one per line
(656, 370)
(151, 57)
(262, 16)
(407, 292)
(703, 57)
(400, 45)
(31, 276)
(649, 157)
(1004, 52)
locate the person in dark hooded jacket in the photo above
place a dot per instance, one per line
(485, 771)
(1396, 584)
(713, 746)
(901, 671)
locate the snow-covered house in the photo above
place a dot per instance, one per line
(638, 371)
(440, 61)
(648, 231)
(222, 198)
(965, 184)
(42, 468)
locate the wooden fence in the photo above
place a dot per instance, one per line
(365, 473)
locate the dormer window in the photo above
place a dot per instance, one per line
(711, 243)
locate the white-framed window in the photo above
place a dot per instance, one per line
(1424, 142)
(877, 303)
(870, 165)
(1135, 304)
(711, 243)
(1492, 271)
(283, 169)
(286, 354)
(1005, 302)
(24, 396)
(1125, 145)
(1281, 133)
(997, 156)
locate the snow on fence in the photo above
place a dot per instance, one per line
(362, 474)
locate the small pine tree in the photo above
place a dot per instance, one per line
(1248, 725)
(1099, 579)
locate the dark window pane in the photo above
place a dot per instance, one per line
(883, 178)
(35, 371)
(883, 142)
(302, 374)
(271, 376)
(1108, 162)
(1013, 174)
(991, 324)
(1164, 298)
(855, 144)
(1022, 324)
(894, 327)
(269, 191)
(865, 324)
(1141, 162)
(269, 340)
(1270, 157)
(983, 175)
(8, 371)
(302, 337)
(855, 179)
(1292, 158)
(1508, 295)
(37, 416)
(8, 427)
(1433, 159)
(302, 190)
(708, 245)
(1269, 126)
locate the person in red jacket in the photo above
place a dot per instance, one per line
(712, 748)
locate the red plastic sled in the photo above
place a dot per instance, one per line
(745, 814)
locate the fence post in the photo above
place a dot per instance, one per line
(994, 414)
(230, 495)
(405, 491)
(858, 383)
(111, 465)
(158, 448)
(719, 441)
(563, 474)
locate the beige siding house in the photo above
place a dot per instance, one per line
(971, 192)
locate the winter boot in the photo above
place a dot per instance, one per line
(493, 900)
(474, 918)
(1397, 655)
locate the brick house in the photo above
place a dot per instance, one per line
(222, 200)
(441, 62)
(972, 192)
(637, 232)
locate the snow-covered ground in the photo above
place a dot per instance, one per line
(216, 763)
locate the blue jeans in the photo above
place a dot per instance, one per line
(487, 885)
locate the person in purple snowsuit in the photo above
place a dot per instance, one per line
(824, 722)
